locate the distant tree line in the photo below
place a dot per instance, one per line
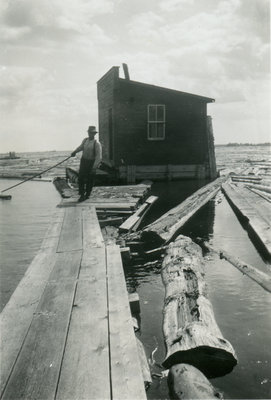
(245, 144)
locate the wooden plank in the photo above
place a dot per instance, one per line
(145, 368)
(17, 315)
(151, 199)
(114, 221)
(164, 228)
(92, 235)
(126, 376)
(110, 206)
(132, 220)
(86, 357)
(254, 209)
(264, 195)
(71, 234)
(36, 371)
(137, 217)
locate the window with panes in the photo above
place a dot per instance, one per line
(156, 121)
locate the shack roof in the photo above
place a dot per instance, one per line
(115, 72)
(201, 98)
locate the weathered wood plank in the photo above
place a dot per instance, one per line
(150, 201)
(17, 315)
(36, 371)
(71, 234)
(163, 229)
(92, 235)
(131, 221)
(86, 357)
(263, 188)
(136, 218)
(264, 195)
(145, 368)
(255, 210)
(126, 376)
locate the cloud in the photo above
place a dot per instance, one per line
(174, 5)
(143, 27)
(50, 19)
(16, 85)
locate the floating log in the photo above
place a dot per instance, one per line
(264, 195)
(190, 330)
(187, 382)
(246, 177)
(5, 196)
(164, 228)
(263, 188)
(260, 277)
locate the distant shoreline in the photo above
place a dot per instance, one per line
(243, 144)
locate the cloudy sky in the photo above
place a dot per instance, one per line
(54, 51)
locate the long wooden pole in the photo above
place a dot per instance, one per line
(263, 279)
(34, 176)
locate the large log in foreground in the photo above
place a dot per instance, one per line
(190, 330)
(164, 228)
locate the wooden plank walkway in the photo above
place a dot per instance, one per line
(66, 332)
(109, 197)
(254, 209)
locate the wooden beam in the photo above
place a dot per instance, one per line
(35, 374)
(71, 233)
(136, 218)
(145, 368)
(255, 210)
(85, 368)
(163, 229)
(92, 235)
(126, 375)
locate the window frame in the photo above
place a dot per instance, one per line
(156, 122)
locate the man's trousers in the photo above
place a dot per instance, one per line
(86, 177)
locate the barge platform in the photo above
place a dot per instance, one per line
(67, 331)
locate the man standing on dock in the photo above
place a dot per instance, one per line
(90, 160)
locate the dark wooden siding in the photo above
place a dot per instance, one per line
(105, 87)
(185, 131)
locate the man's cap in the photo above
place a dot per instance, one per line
(92, 129)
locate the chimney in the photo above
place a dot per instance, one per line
(126, 72)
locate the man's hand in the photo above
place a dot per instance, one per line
(73, 154)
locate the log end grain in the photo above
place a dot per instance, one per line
(212, 362)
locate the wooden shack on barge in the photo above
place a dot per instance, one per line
(150, 132)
